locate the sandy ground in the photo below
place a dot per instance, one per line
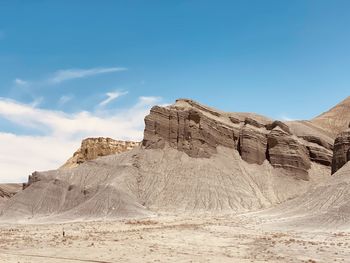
(222, 238)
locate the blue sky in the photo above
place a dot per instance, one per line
(95, 67)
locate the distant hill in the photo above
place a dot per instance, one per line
(336, 119)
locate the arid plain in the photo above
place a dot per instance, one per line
(206, 238)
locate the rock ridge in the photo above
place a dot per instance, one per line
(198, 130)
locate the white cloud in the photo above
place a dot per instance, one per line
(286, 118)
(20, 82)
(20, 155)
(149, 100)
(69, 74)
(64, 99)
(37, 102)
(112, 96)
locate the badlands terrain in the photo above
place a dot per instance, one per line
(203, 186)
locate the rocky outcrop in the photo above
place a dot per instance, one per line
(92, 148)
(188, 130)
(341, 153)
(33, 178)
(198, 131)
(284, 127)
(318, 141)
(286, 152)
(320, 154)
(252, 145)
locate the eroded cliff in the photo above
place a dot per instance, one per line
(198, 130)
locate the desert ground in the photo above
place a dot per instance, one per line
(167, 238)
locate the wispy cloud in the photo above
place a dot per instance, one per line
(112, 96)
(148, 100)
(20, 82)
(69, 74)
(37, 101)
(83, 123)
(63, 133)
(286, 118)
(64, 99)
(2, 34)
(63, 75)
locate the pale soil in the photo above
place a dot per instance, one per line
(206, 238)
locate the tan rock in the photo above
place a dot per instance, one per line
(341, 153)
(198, 130)
(279, 124)
(92, 148)
(320, 154)
(33, 178)
(286, 152)
(189, 130)
(252, 145)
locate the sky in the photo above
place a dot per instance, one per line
(76, 69)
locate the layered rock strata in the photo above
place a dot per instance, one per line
(341, 153)
(287, 152)
(198, 130)
(92, 148)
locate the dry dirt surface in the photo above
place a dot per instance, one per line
(201, 238)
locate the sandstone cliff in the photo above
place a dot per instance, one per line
(341, 154)
(92, 148)
(198, 130)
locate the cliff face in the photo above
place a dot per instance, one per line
(92, 148)
(341, 153)
(197, 130)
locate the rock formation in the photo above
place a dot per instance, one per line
(286, 152)
(191, 131)
(34, 177)
(192, 158)
(252, 145)
(320, 155)
(341, 153)
(92, 148)
(198, 131)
